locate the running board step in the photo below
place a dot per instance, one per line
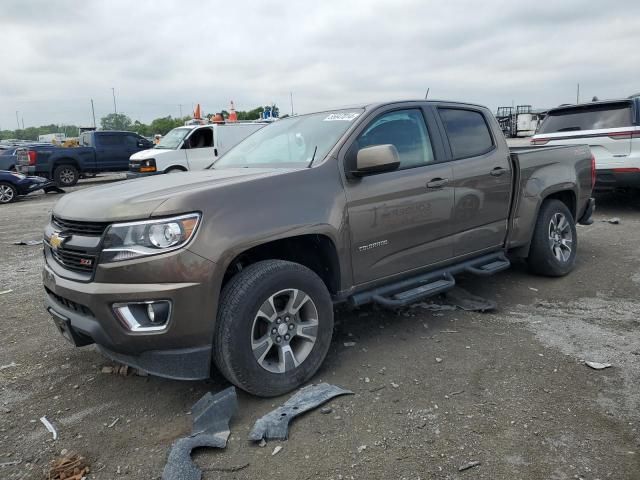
(407, 297)
(490, 268)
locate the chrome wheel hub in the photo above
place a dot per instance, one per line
(560, 237)
(284, 330)
(6, 194)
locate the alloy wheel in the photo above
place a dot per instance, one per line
(560, 237)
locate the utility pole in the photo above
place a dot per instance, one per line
(17, 121)
(578, 95)
(115, 109)
(23, 123)
(93, 114)
(427, 95)
(291, 100)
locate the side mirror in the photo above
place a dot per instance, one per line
(141, 144)
(376, 159)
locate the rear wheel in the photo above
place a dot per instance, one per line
(8, 193)
(274, 327)
(555, 241)
(66, 175)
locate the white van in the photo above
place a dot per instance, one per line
(192, 147)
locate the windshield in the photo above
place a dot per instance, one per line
(172, 139)
(290, 142)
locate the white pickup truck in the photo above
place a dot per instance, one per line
(192, 147)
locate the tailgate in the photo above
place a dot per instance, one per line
(22, 160)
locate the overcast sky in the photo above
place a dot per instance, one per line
(57, 55)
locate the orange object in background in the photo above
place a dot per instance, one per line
(217, 118)
(196, 113)
(233, 116)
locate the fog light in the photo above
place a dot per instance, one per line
(150, 316)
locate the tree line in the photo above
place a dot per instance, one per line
(119, 121)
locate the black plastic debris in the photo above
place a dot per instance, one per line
(211, 415)
(28, 243)
(464, 300)
(275, 424)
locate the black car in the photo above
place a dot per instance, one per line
(13, 185)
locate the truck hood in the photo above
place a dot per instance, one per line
(137, 199)
(151, 153)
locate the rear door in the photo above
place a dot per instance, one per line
(605, 127)
(399, 220)
(201, 150)
(481, 179)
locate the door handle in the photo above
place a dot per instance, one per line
(437, 182)
(496, 172)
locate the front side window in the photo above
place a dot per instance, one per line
(201, 138)
(467, 131)
(404, 129)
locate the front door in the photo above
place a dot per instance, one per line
(399, 220)
(201, 151)
(482, 179)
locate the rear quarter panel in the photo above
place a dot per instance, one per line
(544, 171)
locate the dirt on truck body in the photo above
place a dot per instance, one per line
(239, 266)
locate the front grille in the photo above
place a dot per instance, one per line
(69, 304)
(73, 260)
(74, 227)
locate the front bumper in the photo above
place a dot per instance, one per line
(83, 312)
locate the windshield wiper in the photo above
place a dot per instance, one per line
(313, 157)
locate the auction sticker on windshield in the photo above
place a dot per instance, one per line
(344, 117)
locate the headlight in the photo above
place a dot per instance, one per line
(124, 241)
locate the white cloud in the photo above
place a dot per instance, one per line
(160, 54)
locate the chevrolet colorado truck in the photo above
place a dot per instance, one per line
(99, 151)
(238, 267)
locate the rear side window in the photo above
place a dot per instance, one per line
(592, 117)
(406, 130)
(111, 140)
(468, 132)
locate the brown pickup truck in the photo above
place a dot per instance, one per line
(239, 266)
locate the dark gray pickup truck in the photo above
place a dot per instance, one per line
(239, 266)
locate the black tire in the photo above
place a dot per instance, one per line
(8, 193)
(240, 301)
(66, 175)
(543, 255)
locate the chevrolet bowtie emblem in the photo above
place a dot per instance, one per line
(56, 240)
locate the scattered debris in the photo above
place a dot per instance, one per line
(68, 467)
(123, 370)
(467, 301)
(362, 448)
(613, 220)
(448, 331)
(469, 465)
(395, 385)
(276, 450)
(28, 243)
(11, 463)
(263, 443)
(326, 410)
(458, 392)
(598, 365)
(49, 426)
(275, 424)
(235, 468)
(211, 415)
(533, 289)
(8, 365)
(375, 389)
(458, 298)
(4, 292)
(438, 360)
(112, 424)
(349, 344)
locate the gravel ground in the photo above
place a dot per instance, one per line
(433, 390)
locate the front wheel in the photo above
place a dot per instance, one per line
(555, 241)
(8, 193)
(274, 327)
